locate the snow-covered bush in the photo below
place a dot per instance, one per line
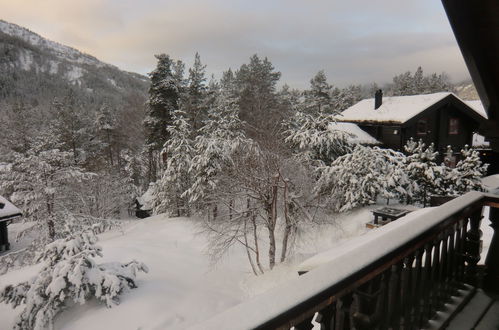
(422, 168)
(467, 174)
(70, 275)
(312, 136)
(359, 177)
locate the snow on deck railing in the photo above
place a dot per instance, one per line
(300, 294)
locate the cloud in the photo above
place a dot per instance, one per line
(358, 41)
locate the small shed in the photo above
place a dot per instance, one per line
(7, 212)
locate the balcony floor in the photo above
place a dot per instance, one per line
(480, 313)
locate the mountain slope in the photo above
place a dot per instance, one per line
(36, 68)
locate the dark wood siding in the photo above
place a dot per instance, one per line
(436, 119)
(465, 129)
(390, 136)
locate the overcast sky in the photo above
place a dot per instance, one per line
(354, 41)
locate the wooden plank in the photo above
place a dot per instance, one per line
(472, 313)
(491, 318)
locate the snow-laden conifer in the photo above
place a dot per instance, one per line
(175, 180)
(219, 138)
(40, 180)
(315, 139)
(70, 274)
(468, 172)
(359, 177)
(422, 168)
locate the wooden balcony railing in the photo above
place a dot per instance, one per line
(401, 279)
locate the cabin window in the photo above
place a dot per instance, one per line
(422, 126)
(453, 126)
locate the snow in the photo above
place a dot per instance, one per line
(147, 199)
(354, 243)
(9, 210)
(395, 109)
(491, 183)
(357, 135)
(74, 74)
(477, 105)
(479, 141)
(61, 51)
(112, 82)
(182, 288)
(264, 307)
(26, 60)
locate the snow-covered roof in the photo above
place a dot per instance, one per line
(479, 141)
(396, 109)
(478, 107)
(356, 134)
(8, 210)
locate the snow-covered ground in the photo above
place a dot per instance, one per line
(182, 287)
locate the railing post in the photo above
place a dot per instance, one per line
(473, 247)
(491, 281)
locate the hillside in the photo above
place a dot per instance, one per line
(37, 70)
(466, 90)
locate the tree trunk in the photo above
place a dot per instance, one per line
(257, 249)
(248, 252)
(110, 150)
(287, 230)
(272, 218)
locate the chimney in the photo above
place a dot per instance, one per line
(378, 99)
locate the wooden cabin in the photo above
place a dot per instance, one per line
(440, 118)
(8, 212)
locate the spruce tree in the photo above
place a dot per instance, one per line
(163, 101)
(171, 189)
(468, 172)
(422, 168)
(222, 134)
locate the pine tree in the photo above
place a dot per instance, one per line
(163, 101)
(175, 181)
(258, 104)
(347, 97)
(419, 82)
(423, 170)
(17, 127)
(403, 84)
(468, 172)
(318, 97)
(195, 104)
(222, 134)
(71, 125)
(105, 124)
(359, 177)
(39, 181)
(315, 139)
